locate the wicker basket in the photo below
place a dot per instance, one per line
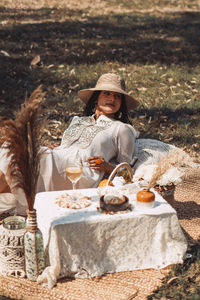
(12, 247)
(114, 172)
(165, 191)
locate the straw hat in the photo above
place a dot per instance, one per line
(109, 82)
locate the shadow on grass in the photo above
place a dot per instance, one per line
(125, 38)
(177, 124)
(183, 281)
(122, 38)
(186, 210)
(66, 37)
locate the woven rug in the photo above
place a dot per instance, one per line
(118, 286)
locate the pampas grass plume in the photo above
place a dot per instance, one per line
(22, 138)
(174, 159)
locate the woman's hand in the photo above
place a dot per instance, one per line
(98, 163)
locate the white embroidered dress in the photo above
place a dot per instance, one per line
(86, 137)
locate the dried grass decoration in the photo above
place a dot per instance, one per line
(22, 138)
(174, 159)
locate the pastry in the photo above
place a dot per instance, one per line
(114, 203)
(66, 201)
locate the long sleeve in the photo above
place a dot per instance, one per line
(125, 142)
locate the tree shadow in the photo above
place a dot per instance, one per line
(181, 288)
(161, 119)
(188, 237)
(185, 210)
(126, 38)
(60, 39)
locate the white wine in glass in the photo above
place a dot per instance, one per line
(74, 172)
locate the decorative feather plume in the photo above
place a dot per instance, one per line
(175, 159)
(22, 138)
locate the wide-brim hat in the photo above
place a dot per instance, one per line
(109, 82)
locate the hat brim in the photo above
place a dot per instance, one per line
(85, 95)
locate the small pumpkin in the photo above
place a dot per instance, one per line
(104, 183)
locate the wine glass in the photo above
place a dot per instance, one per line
(74, 172)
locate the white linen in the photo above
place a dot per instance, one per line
(102, 137)
(84, 243)
(7, 202)
(85, 137)
(150, 151)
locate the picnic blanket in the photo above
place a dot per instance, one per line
(123, 285)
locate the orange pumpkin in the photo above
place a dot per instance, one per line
(104, 183)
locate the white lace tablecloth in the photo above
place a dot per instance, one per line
(85, 242)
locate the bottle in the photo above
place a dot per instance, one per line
(33, 248)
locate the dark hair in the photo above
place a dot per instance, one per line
(91, 104)
(121, 114)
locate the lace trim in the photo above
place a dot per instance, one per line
(83, 132)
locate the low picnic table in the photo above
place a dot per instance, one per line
(87, 243)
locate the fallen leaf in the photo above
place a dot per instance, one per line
(142, 89)
(50, 66)
(168, 139)
(74, 87)
(36, 60)
(172, 279)
(5, 53)
(72, 72)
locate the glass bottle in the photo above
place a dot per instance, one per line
(33, 248)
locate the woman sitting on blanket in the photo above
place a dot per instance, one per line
(102, 139)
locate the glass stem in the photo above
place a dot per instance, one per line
(74, 188)
(74, 185)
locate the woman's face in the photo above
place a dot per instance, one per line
(108, 103)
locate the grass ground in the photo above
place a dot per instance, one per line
(154, 45)
(183, 282)
(67, 45)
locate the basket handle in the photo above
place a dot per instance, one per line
(113, 173)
